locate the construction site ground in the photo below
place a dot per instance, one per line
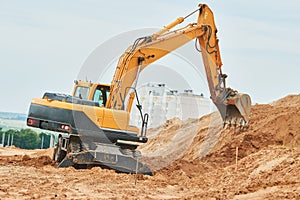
(193, 159)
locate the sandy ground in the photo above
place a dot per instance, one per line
(194, 159)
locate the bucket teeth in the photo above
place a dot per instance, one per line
(234, 109)
(235, 123)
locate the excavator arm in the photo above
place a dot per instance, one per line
(234, 107)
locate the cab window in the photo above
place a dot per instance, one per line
(101, 95)
(82, 92)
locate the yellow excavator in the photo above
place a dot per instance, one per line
(93, 122)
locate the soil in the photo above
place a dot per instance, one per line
(193, 159)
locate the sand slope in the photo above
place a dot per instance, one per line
(194, 159)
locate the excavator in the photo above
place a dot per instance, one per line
(93, 122)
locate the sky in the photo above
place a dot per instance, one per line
(45, 45)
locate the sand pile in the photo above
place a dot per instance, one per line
(204, 138)
(193, 159)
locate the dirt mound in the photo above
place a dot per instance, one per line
(274, 124)
(21, 157)
(271, 173)
(292, 100)
(193, 159)
(270, 147)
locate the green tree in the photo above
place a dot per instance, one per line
(26, 138)
(30, 139)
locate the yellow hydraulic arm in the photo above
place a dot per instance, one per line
(234, 107)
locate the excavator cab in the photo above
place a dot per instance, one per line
(92, 91)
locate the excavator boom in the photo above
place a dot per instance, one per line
(233, 106)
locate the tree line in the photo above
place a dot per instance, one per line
(25, 139)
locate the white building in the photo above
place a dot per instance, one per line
(162, 103)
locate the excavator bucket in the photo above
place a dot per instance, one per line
(235, 110)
